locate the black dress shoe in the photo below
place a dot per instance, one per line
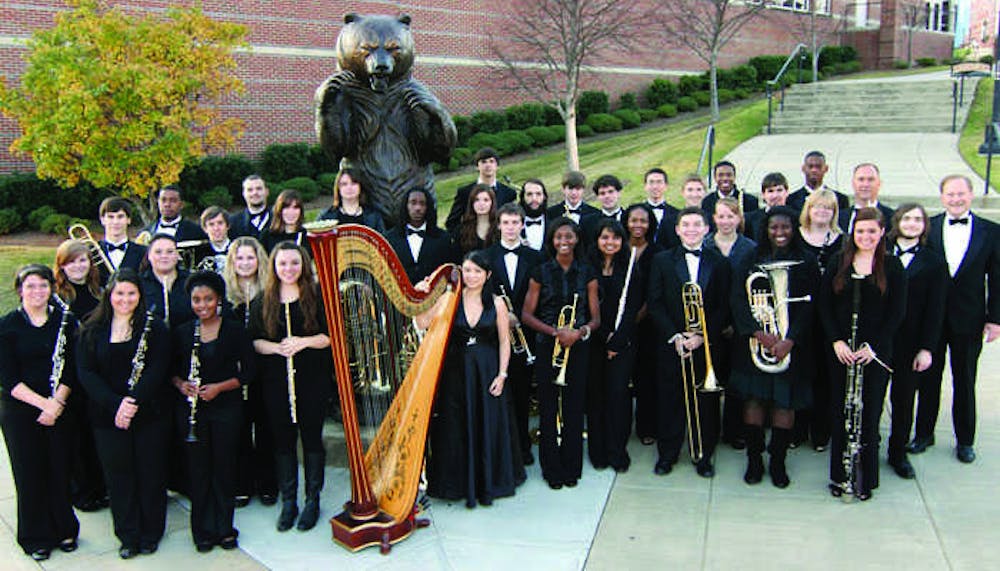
(570, 483)
(268, 499)
(903, 468)
(127, 552)
(41, 554)
(555, 485)
(241, 501)
(705, 469)
(663, 468)
(966, 454)
(204, 546)
(738, 443)
(229, 543)
(68, 545)
(528, 458)
(621, 469)
(920, 444)
(149, 548)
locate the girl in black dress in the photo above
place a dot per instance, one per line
(862, 266)
(350, 203)
(212, 360)
(245, 274)
(163, 282)
(783, 392)
(286, 222)
(37, 375)
(288, 326)
(478, 228)
(474, 455)
(554, 285)
(122, 357)
(640, 223)
(612, 350)
(78, 283)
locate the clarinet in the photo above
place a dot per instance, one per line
(59, 353)
(194, 375)
(139, 359)
(290, 367)
(853, 405)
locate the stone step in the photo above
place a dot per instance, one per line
(787, 130)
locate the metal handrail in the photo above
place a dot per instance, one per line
(769, 85)
(706, 150)
(989, 154)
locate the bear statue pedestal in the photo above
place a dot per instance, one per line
(381, 530)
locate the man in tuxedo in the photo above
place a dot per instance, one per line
(256, 217)
(814, 168)
(669, 273)
(487, 162)
(116, 216)
(534, 200)
(418, 242)
(866, 182)
(170, 203)
(971, 247)
(572, 206)
(655, 185)
(725, 187)
(774, 191)
(608, 190)
(512, 265)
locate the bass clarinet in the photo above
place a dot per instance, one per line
(194, 376)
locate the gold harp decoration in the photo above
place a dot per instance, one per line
(386, 476)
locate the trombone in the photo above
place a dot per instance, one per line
(694, 319)
(97, 255)
(560, 354)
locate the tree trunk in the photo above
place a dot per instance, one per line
(713, 74)
(572, 146)
(815, 63)
(909, 47)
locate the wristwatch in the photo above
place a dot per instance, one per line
(586, 333)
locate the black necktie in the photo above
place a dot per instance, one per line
(953, 221)
(696, 253)
(414, 231)
(169, 224)
(113, 247)
(528, 223)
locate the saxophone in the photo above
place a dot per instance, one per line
(139, 359)
(59, 352)
(194, 376)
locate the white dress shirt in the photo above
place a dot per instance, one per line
(510, 262)
(416, 241)
(956, 238)
(535, 233)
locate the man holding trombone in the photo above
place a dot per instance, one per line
(688, 301)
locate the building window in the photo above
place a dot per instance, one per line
(821, 6)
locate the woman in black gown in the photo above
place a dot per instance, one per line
(32, 401)
(640, 222)
(350, 203)
(478, 228)
(286, 223)
(473, 452)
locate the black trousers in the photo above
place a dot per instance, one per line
(40, 462)
(212, 464)
(521, 375)
(135, 468)
(562, 459)
(732, 404)
(609, 406)
(874, 386)
(310, 412)
(87, 478)
(256, 457)
(964, 350)
(645, 381)
(902, 395)
(672, 415)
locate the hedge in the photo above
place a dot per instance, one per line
(463, 125)
(284, 161)
(668, 110)
(726, 95)
(463, 155)
(306, 187)
(218, 196)
(525, 116)
(604, 123)
(703, 98)
(630, 119)
(38, 215)
(584, 131)
(543, 136)
(628, 101)
(10, 220)
(590, 103)
(661, 92)
(25, 192)
(648, 115)
(686, 104)
(489, 122)
(326, 180)
(211, 172)
(515, 141)
(691, 84)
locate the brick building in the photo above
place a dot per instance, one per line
(982, 30)
(292, 52)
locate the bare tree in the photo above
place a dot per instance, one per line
(705, 27)
(818, 28)
(914, 16)
(550, 44)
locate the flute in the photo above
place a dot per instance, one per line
(290, 366)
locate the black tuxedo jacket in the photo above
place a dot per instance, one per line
(186, 230)
(797, 199)
(504, 194)
(437, 249)
(589, 224)
(239, 225)
(844, 218)
(134, 254)
(527, 259)
(747, 200)
(586, 211)
(666, 230)
(669, 273)
(974, 291)
(926, 294)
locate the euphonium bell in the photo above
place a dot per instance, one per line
(769, 306)
(560, 354)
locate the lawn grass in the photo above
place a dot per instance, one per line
(881, 73)
(972, 134)
(12, 258)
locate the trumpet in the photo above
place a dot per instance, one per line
(518, 342)
(290, 367)
(97, 255)
(560, 354)
(694, 318)
(770, 308)
(143, 238)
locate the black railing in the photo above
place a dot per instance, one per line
(989, 155)
(706, 152)
(776, 82)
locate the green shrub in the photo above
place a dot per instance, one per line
(25, 192)
(464, 127)
(898, 64)
(767, 66)
(454, 164)
(218, 196)
(463, 155)
(703, 98)
(306, 187)
(584, 131)
(686, 104)
(926, 61)
(326, 180)
(725, 96)
(849, 67)
(986, 59)
(742, 77)
(558, 131)
(38, 215)
(10, 221)
(489, 122)
(604, 123)
(437, 167)
(837, 54)
(740, 93)
(591, 102)
(514, 141)
(480, 140)
(828, 70)
(320, 161)
(630, 118)
(210, 172)
(668, 110)
(55, 223)
(690, 84)
(628, 101)
(525, 116)
(648, 115)
(661, 92)
(543, 136)
(552, 116)
(284, 161)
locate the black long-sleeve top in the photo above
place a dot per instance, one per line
(309, 363)
(368, 217)
(26, 356)
(880, 314)
(557, 290)
(104, 369)
(609, 292)
(177, 297)
(227, 356)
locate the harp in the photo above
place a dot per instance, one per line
(386, 375)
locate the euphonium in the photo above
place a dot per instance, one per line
(769, 307)
(518, 342)
(97, 255)
(560, 354)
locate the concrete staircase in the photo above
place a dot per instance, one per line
(870, 106)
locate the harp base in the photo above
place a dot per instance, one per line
(382, 530)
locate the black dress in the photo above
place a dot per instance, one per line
(473, 452)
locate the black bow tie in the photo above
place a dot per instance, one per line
(572, 211)
(528, 223)
(515, 250)
(169, 224)
(953, 221)
(696, 253)
(660, 206)
(410, 231)
(113, 247)
(901, 251)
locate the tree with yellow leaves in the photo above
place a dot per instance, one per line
(125, 100)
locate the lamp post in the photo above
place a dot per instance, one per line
(990, 144)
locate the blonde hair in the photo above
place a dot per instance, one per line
(236, 294)
(734, 206)
(822, 197)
